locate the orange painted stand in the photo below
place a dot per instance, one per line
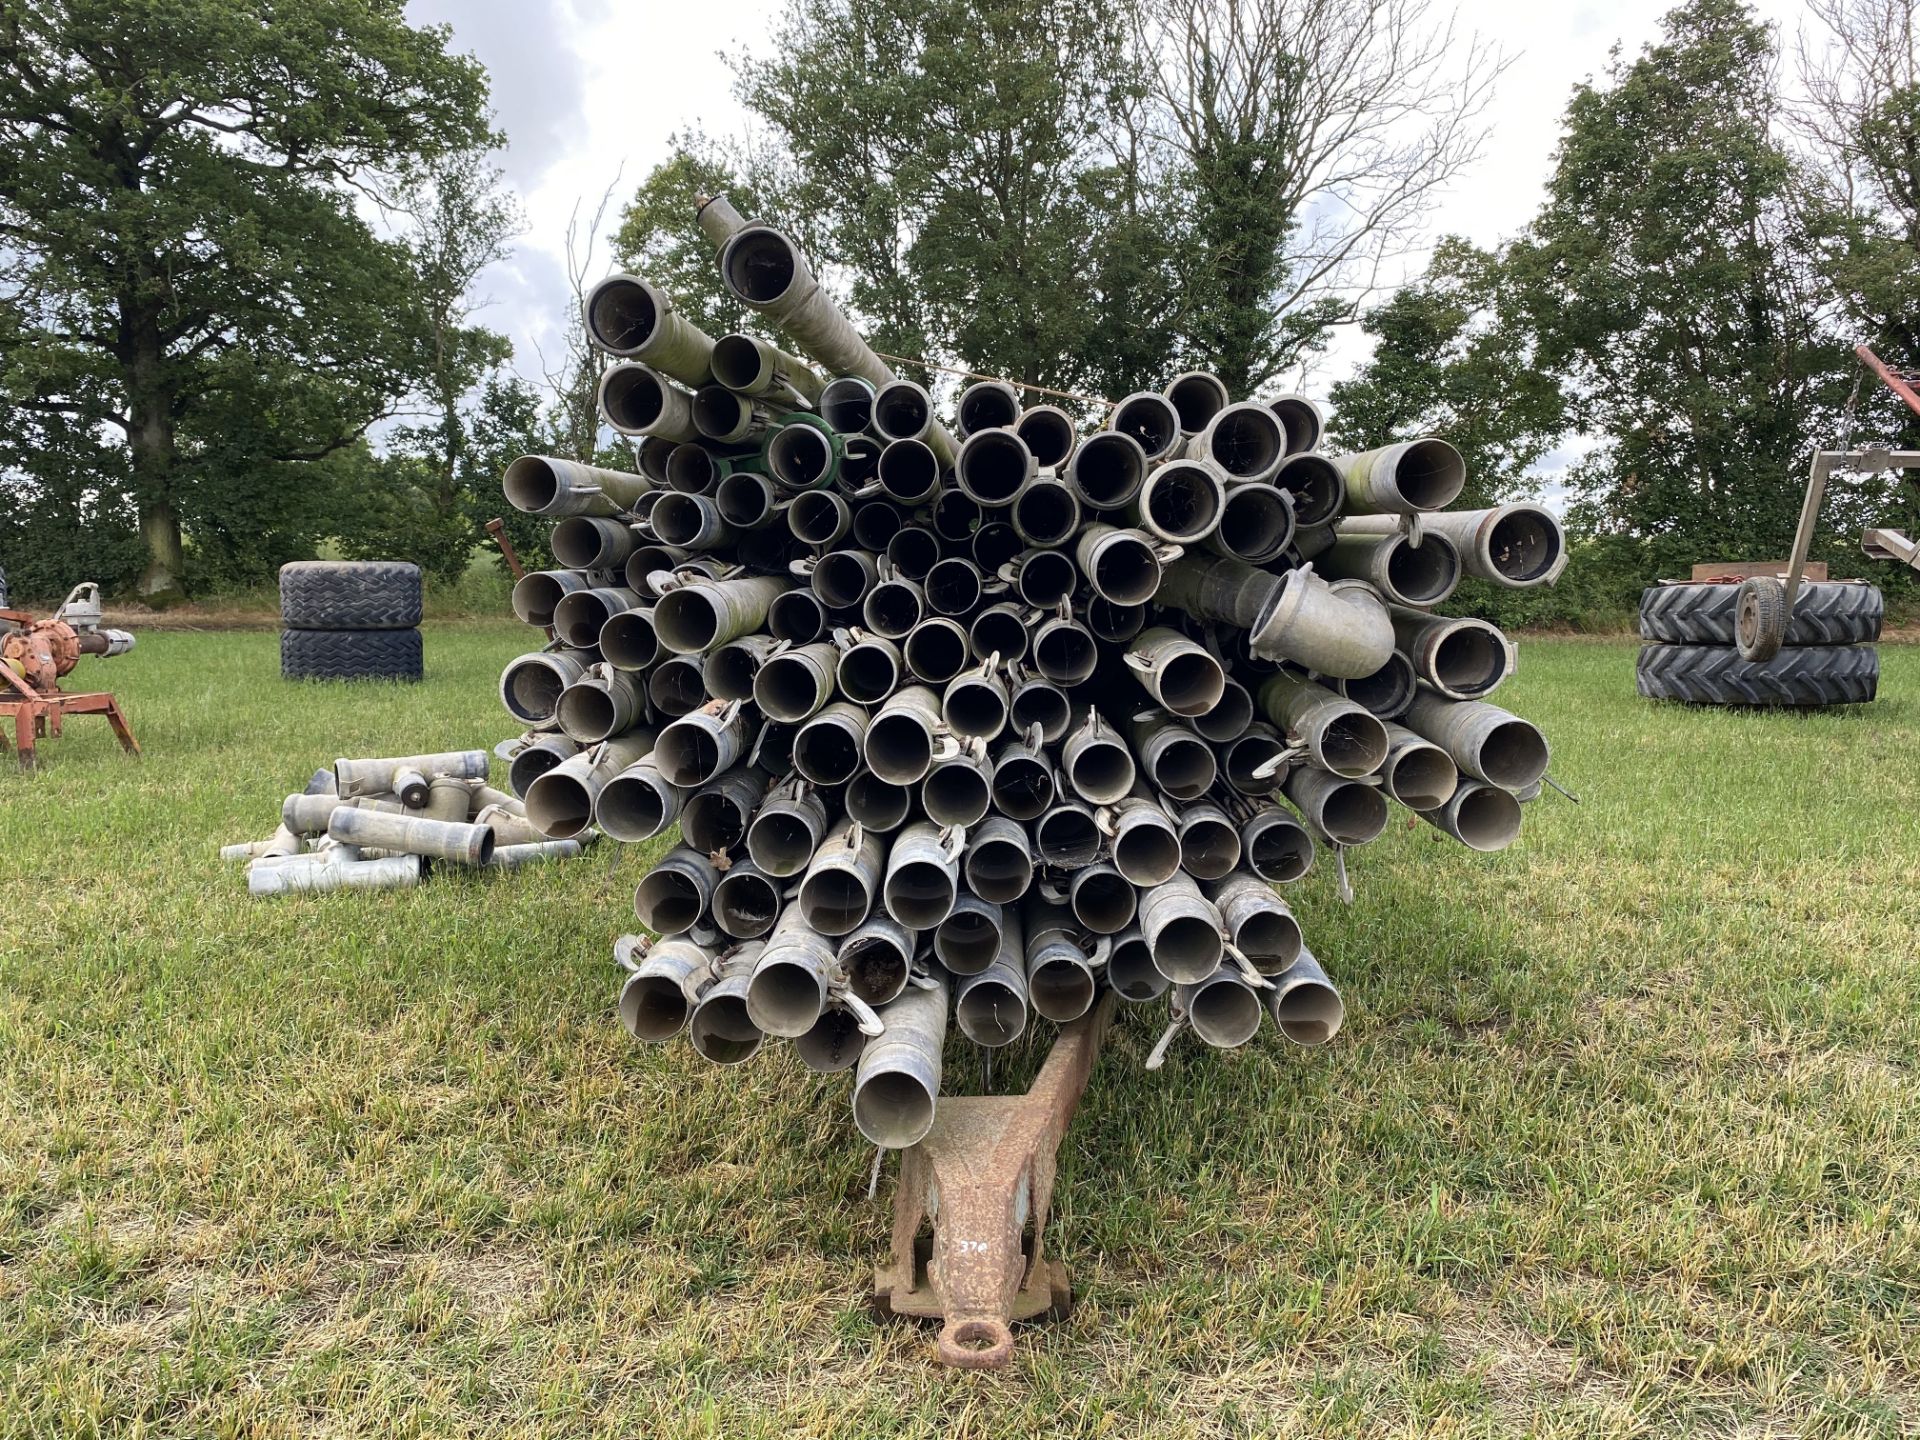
(36, 714)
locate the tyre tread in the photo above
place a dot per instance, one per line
(1807, 676)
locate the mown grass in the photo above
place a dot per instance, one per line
(1622, 1134)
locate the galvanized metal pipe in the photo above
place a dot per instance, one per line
(1174, 761)
(1257, 524)
(787, 831)
(999, 860)
(1108, 469)
(842, 882)
(410, 835)
(967, 941)
(1259, 923)
(628, 641)
(638, 803)
(1403, 572)
(1347, 812)
(560, 802)
(957, 791)
(694, 619)
(1149, 419)
(1121, 565)
(898, 1081)
(1223, 1008)
(1130, 970)
(718, 814)
(636, 400)
(697, 747)
(1096, 761)
(1179, 674)
(1181, 501)
(1339, 734)
(549, 486)
(875, 957)
(1183, 930)
(626, 316)
(675, 893)
(1304, 1003)
(1276, 846)
(375, 777)
(869, 669)
(1416, 772)
(1480, 816)
(1146, 843)
(753, 367)
(1485, 741)
(317, 876)
(901, 736)
(538, 755)
(601, 704)
(987, 405)
(655, 999)
(1403, 479)
(1245, 441)
(794, 685)
(1102, 899)
(788, 989)
(591, 542)
(1209, 840)
(1060, 979)
(923, 875)
(827, 748)
(719, 1028)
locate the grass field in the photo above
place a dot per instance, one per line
(1623, 1133)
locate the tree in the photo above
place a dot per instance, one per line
(1861, 72)
(1310, 137)
(1452, 360)
(180, 184)
(1675, 294)
(659, 239)
(953, 158)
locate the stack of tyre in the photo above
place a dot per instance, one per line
(1828, 656)
(350, 620)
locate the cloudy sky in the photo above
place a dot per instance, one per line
(588, 91)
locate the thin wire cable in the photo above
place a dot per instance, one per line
(1000, 379)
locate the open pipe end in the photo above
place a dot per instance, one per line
(1042, 705)
(559, 806)
(826, 754)
(1354, 814)
(690, 467)
(909, 471)
(759, 265)
(589, 713)
(1067, 836)
(1192, 682)
(936, 650)
(967, 941)
(842, 578)
(1022, 790)
(955, 795)
(998, 630)
(902, 411)
(1271, 939)
(993, 465)
(1104, 903)
(1101, 773)
(1310, 1013)
(799, 455)
(676, 686)
(1046, 513)
(628, 640)
(686, 621)
(1302, 421)
(687, 755)
(722, 1033)
(1187, 949)
(876, 967)
(1046, 577)
(797, 616)
(1185, 769)
(1183, 501)
(653, 1007)
(737, 364)
(893, 1110)
(630, 810)
(835, 1042)
(834, 901)
(991, 1013)
(1353, 744)
(1130, 971)
(1226, 1014)
(1514, 754)
(1066, 654)
(1109, 469)
(1147, 855)
(1049, 433)
(999, 871)
(1257, 522)
(1280, 852)
(632, 397)
(531, 688)
(785, 998)
(1150, 420)
(668, 902)
(1060, 991)
(1127, 571)
(714, 820)
(879, 804)
(913, 551)
(1197, 397)
(1209, 849)
(988, 405)
(623, 314)
(1388, 691)
(1430, 474)
(919, 895)
(1247, 441)
(899, 749)
(1423, 574)
(1525, 544)
(846, 404)
(1319, 490)
(818, 517)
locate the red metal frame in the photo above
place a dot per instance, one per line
(1896, 383)
(38, 714)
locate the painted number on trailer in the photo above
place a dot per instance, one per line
(971, 1247)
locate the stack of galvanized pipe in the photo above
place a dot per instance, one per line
(961, 728)
(377, 824)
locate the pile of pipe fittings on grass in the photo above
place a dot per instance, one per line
(966, 727)
(378, 824)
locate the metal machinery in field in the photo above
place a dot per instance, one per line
(1765, 606)
(36, 654)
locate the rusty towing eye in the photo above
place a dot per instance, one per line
(983, 1174)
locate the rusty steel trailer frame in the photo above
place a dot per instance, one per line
(37, 714)
(1764, 607)
(983, 1177)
